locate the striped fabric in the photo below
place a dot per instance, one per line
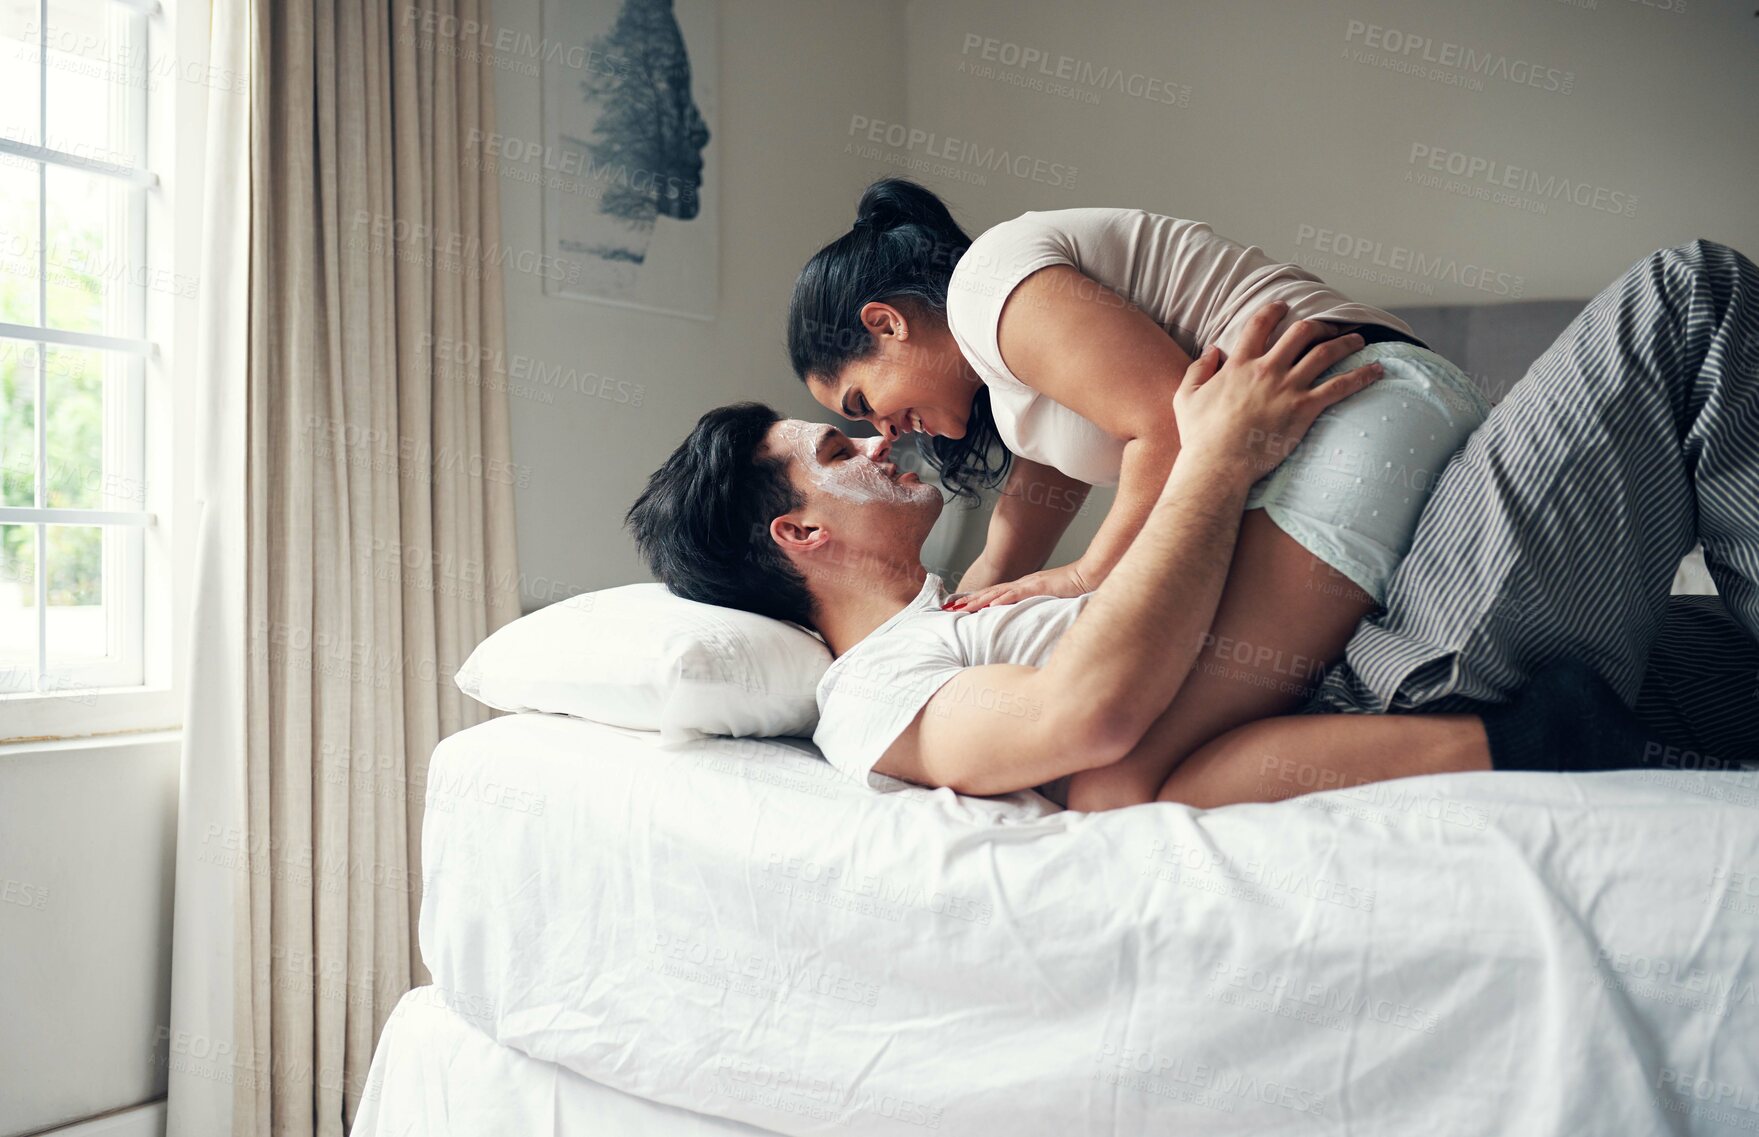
(1557, 529)
(1700, 689)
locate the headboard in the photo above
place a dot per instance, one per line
(1493, 343)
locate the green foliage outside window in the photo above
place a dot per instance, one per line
(76, 425)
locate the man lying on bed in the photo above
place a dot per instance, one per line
(795, 520)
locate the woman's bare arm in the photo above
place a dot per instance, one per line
(1031, 515)
(1069, 337)
(1078, 342)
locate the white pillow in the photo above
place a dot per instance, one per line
(640, 657)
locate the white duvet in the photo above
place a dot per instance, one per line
(434, 1076)
(735, 929)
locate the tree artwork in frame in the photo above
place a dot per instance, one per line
(631, 168)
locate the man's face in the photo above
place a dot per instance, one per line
(856, 499)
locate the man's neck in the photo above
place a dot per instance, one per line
(848, 614)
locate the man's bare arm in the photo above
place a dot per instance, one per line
(1122, 662)
(1005, 727)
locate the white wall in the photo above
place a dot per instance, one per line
(1282, 131)
(1277, 134)
(1253, 115)
(87, 834)
(792, 74)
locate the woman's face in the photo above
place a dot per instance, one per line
(914, 379)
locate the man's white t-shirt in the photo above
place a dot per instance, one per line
(873, 691)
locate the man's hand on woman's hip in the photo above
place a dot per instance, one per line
(1249, 411)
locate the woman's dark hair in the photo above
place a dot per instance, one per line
(903, 246)
(703, 522)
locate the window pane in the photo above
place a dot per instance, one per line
(95, 72)
(78, 632)
(78, 476)
(18, 240)
(20, 30)
(91, 282)
(18, 608)
(18, 423)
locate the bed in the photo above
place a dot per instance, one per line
(727, 929)
(436, 1075)
(724, 937)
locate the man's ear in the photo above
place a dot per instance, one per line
(882, 320)
(792, 535)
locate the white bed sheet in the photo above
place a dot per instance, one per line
(733, 929)
(435, 1075)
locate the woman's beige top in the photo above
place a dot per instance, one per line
(1199, 286)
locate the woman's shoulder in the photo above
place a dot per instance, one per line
(1079, 221)
(1004, 254)
(1059, 226)
(998, 251)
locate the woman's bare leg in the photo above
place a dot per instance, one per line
(1285, 757)
(1284, 615)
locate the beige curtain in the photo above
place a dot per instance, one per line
(379, 513)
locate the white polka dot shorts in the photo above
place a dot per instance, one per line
(1352, 490)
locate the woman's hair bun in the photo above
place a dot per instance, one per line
(910, 255)
(893, 202)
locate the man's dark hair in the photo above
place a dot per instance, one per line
(703, 522)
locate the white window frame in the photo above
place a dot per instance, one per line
(171, 127)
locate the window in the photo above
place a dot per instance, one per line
(82, 570)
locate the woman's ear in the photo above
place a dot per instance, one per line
(883, 320)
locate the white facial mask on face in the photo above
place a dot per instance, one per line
(859, 480)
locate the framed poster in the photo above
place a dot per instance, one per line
(630, 213)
